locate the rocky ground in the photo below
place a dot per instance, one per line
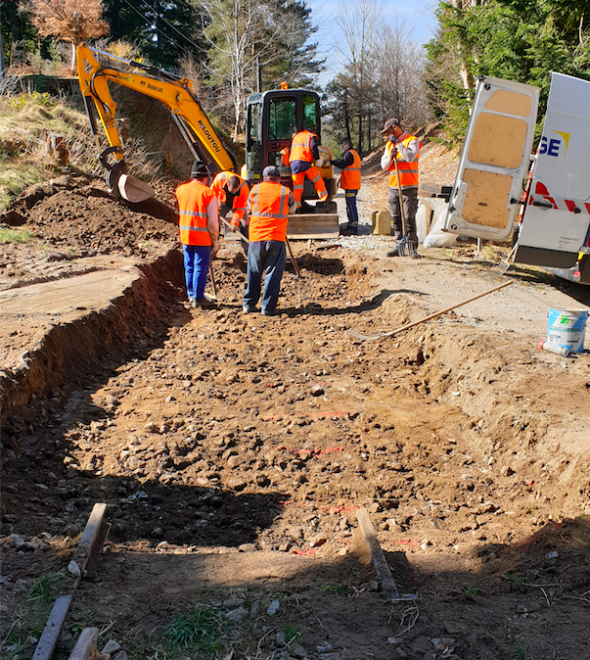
(234, 450)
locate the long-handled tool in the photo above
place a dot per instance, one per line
(295, 266)
(407, 326)
(405, 248)
(213, 280)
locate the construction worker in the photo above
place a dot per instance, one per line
(199, 232)
(269, 205)
(350, 182)
(405, 149)
(302, 158)
(232, 193)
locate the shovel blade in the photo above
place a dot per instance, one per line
(133, 189)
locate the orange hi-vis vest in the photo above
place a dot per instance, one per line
(269, 212)
(193, 199)
(408, 172)
(350, 179)
(241, 199)
(300, 147)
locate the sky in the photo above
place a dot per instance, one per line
(418, 16)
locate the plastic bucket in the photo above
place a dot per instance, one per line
(567, 328)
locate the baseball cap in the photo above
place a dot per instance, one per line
(389, 124)
(199, 169)
(271, 172)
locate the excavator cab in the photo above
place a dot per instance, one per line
(272, 119)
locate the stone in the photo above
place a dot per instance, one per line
(317, 390)
(317, 541)
(74, 569)
(234, 601)
(297, 651)
(273, 608)
(324, 647)
(255, 609)
(281, 639)
(237, 615)
(17, 541)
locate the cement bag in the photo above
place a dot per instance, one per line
(423, 217)
(436, 237)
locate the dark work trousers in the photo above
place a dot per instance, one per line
(224, 210)
(351, 210)
(196, 267)
(410, 201)
(265, 258)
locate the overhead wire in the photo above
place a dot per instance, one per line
(147, 20)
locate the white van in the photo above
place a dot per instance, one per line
(486, 197)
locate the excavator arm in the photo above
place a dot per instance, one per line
(175, 93)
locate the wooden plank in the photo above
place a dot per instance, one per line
(377, 557)
(85, 648)
(91, 534)
(48, 640)
(303, 226)
(93, 537)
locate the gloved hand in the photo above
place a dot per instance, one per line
(235, 222)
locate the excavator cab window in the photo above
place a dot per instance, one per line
(253, 138)
(311, 113)
(282, 118)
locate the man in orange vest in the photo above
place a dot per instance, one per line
(405, 149)
(232, 192)
(350, 182)
(199, 231)
(302, 158)
(268, 207)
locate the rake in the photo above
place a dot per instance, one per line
(499, 269)
(407, 326)
(406, 249)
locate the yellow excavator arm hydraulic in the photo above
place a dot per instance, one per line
(175, 93)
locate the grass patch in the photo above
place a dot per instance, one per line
(30, 617)
(197, 627)
(342, 589)
(14, 235)
(293, 634)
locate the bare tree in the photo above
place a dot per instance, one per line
(357, 21)
(72, 21)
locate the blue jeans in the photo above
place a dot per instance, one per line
(268, 258)
(351, 211)
(196, 267)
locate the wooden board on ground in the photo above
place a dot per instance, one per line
(313, 225)
(90, 543)
(377, 557)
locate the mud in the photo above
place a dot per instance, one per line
(233, 451)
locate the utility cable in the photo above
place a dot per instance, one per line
(147, 20)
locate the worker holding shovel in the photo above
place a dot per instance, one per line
(400, 158)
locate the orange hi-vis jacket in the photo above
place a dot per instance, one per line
(350, 179)
(193, 199)
(408, 172)
(240, 201)
(300, 147)
(269, 211)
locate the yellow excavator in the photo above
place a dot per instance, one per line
(175, 93)
(272, 118)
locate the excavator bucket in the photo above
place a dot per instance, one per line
(133, 189)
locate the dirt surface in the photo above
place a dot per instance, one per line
(234, 450)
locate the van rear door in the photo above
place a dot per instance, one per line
(494, 160)
(555, 223)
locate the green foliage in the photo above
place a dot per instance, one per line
(197, 626)
(342, 589)
(520, 40)
(14, 235)
(293, 633)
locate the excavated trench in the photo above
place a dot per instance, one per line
(215, 431)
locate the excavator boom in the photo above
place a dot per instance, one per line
(175, 93)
